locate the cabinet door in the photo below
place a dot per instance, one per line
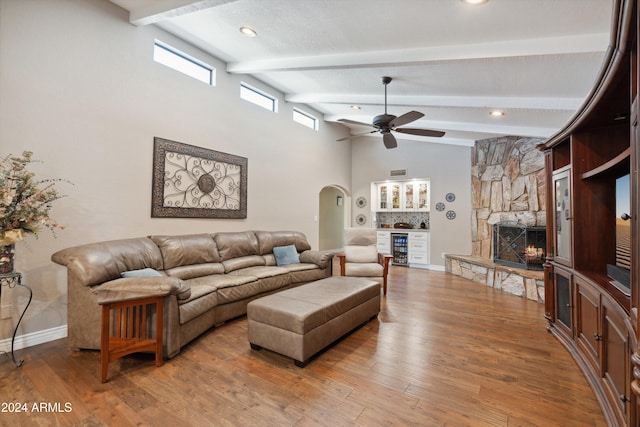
(395, 196)
(383, 197)
(409, 196)
(562, 220)
(588, 335)
(562, 287)
(615, 365)
(423, 196)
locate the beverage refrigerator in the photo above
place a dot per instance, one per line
(400, 248)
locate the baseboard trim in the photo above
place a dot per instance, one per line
(34, 338)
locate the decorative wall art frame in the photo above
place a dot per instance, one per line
(195, 182)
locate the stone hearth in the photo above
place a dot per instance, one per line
(528, 284)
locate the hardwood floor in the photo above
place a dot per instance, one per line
(444, 352)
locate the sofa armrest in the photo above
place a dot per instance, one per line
(155, 284)
(343, 262)
(319, 258)
(384, 259)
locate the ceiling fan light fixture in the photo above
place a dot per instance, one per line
(248, 31)
(386, 123)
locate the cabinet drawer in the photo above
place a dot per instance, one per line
(418, 258)
(418, 246)
(418, 237)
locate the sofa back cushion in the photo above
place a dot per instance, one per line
(361, 254)
(236, 244)
(189, 249)
(96, 263)
(267, 240)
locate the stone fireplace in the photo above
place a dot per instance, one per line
(518, 245)
(507, 186)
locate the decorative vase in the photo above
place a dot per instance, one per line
(7, 254)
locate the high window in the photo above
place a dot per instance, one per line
(186, 64)
(305, 119)
(258, 97)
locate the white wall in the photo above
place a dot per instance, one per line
(449, 169)
(79, 88)
(332, 218)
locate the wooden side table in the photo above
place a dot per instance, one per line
(124, 325)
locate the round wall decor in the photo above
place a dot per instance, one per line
(451, 215)
(439, 206)
(361, 219)
(361, 202)
(450, 197)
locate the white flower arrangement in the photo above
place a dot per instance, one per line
(24, 202)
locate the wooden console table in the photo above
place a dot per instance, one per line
(125, 323)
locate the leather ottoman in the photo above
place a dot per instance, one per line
(301, 321)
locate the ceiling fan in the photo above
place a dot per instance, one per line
(385, 123)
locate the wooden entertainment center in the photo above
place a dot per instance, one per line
(594, 317)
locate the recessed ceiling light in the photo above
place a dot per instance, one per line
(248, 31)
(496, 113)
(475, 2)
(356, 107)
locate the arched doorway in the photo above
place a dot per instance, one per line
(335, 211)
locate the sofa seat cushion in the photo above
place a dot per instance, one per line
(203, 298)
(300, 267)
(260, 271)
(248, 290)
(218, 281)
(304, 272)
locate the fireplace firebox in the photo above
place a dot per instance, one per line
(518, 245)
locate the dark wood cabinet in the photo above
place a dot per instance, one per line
(592, 166)
(588, 325)
(616, 375)
(563, 299)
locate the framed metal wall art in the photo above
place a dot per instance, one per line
(195, 182)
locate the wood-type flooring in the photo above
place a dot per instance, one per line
(444, 351)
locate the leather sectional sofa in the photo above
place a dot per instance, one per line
(210, 278)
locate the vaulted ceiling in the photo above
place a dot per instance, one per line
(535, 60)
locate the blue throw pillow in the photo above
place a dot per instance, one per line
(286, 255)
(145, 272)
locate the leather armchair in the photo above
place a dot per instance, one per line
(360, 257)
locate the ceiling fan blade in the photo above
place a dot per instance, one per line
(405, 118)
(356, 135)
(353, 122)
(389, 140)
(421, 132)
